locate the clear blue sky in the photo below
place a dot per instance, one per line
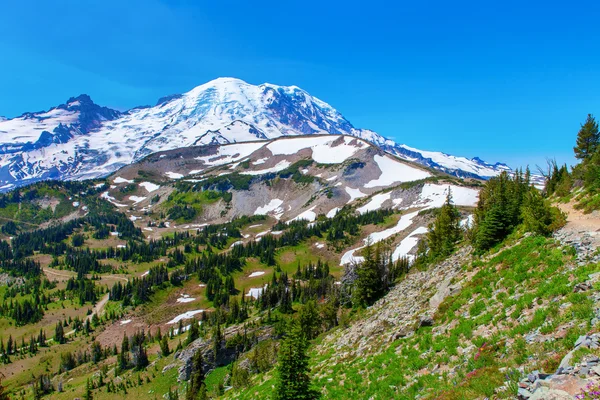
(509, 82)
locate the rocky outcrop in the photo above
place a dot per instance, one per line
(413, 302)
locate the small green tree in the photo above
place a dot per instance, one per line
(588, 139)
(444, 232)
(196, 386)
(59, 334)
(368, 284)
(193, 332)
(88, 391)
(539, 216)
(293, 381)
(164, 346)
(309, 319)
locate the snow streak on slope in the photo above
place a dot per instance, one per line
(393, 171)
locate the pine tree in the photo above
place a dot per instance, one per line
(444, 231)
(368, 285)
(309, 320)
(193, 332)
(588, 139)
(539, 216)
(196, 386)
(293, 381)
(124, 355)
(88, 391)
(59, 334)
(164, 346)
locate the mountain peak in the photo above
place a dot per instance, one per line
(96, 140)
(82, 97)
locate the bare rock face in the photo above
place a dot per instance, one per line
(401, 311)
(225, 355)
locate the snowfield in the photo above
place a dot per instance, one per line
(149, 186)
(280, 166)
(433, 196)
(118, 179)
(174, 175)
(393, 171)
(274, 207)
(185, 298)
(230, 153)
(375, 203)
(354, 194)
(323, 150)
(184, 316)
(375, 237)
(308, 215)
(332, 213)
(407, 244)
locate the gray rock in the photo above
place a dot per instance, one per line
(545, 393)
(524, 393)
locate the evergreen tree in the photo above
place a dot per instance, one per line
(588, 139)
(123, 358)
(293, 381)
(309, 320)
(539, 216)
(164, 346)
(444, 232)
(368, 285)
(193, 332)
(88, 391)
(196, 386)
(59, 334)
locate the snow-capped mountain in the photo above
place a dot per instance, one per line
(80, 139)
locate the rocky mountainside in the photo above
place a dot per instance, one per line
(286, 179)
(80, 139)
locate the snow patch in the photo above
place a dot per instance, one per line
(354, 194)
(393, 171)
(118, 179)
(407, 244)
(185, 315)
(149, 186)
(173, 175)
(185, 298)
(375, 203)
(274, 206)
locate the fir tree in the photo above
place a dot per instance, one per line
(59, 334)
(293, 381)
(193, 332)
(588, 139)
(164, 346)
(368, 285)
(309, 320)
(444, 231)
(196, 387)
(539, 216)
(88, 391)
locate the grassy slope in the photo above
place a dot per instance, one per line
(522, 288)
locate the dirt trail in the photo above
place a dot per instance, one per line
(58, 274)
(96, 310)
(578, 221)
(61, 275)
